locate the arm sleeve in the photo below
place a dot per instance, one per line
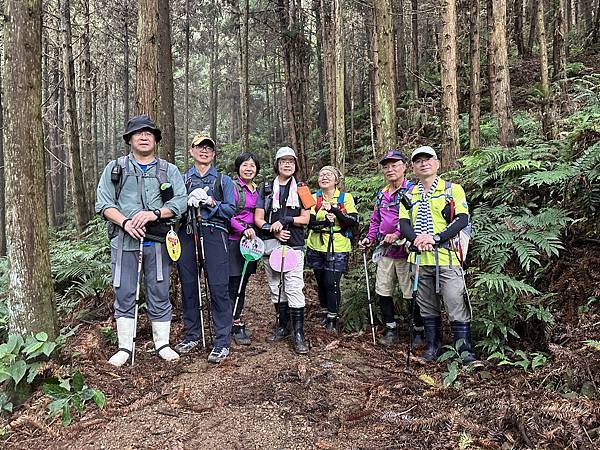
(224, 209)
(460, 221)
(407, 230)
(105, 192)
(374, 223)
(315, 224)
(345, 220)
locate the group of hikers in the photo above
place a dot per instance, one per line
(414, 230)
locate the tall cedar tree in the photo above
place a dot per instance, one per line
(30, 292)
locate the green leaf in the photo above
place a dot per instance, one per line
(33, 348)
(17, 370)
(77, 402)
(77, 381)
(4, 375)
(99, 398)
(87, 394)
(41, 336)
(55, 391)
(15, 342)
(446, 355)
(33, 371)
(57, 405)
(66, 415)
(65, 383)
(48, 348)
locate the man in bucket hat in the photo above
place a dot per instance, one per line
(129, 196)
(393, 266)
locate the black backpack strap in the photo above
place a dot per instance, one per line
(218, 188)
(123, 163)
(162, 168)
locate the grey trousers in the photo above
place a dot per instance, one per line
(452, 291)
(157, 292)
(293, 285)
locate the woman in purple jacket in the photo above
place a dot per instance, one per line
(246, 194)
(393, 266)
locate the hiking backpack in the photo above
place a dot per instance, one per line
(459, 243)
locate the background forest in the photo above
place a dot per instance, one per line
(507, 91)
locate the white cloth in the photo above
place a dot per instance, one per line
(198, 196)
(293, 201)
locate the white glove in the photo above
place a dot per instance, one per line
(208, 201)
(197, 196)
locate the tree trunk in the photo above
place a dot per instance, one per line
(532, 27)
(448, 62)
(166, 110)
(595, 32)
(30, 292)
(503, 99)
(126, 108)
(214, 70)
(322, 119)
(475, 86)
(549, 127)
(186, 93)
(385, 80)
(400, 40)
(147, 94)
(491, 51)
(340, 93)
(296, 59)
(87, 144)
(559, 47)
(414, 57)
(518, 13)
(82, 212)
(59, 168)
(2, 183)
(244, 93)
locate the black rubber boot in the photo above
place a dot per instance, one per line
(240, 335)
(331, 325)
(418, 336)
(390, 337)
(462, 330)
(433, 334)
(418, 333)
(282, 329)
(297, 315)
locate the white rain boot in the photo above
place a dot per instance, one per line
(125, 330)
(160, 333)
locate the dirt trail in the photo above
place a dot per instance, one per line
(345, 394)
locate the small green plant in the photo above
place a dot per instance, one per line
(593, 343)
(71, 392)
(519, 358)
(19, 358)
(455, 359)
(109, 335)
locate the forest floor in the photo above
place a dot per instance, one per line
(346, 393)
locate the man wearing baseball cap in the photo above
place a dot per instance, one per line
(393, 267)
(438, 213)
(131, 198)
(211, 201)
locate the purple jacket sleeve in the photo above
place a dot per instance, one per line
(375, 221)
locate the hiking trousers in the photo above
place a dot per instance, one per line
(157, 292)
(452, 292)
(293, 284)
(217, 271)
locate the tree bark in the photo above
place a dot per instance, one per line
(448, 62)
(186, 93)
(296, 59)
(518, 32)
(82, 212)
(30, 292)
(559, 47)
(475, 85)
(214, 70)
(340, 89)
(147, 93)
(385, 80)
(400, 40)
(491, 59)
(549, 125)
(87, 144)
(166, 110)
(244, 93)
(414, 57)
(2, 182)
(126, 108)
(532, 27)
(503, 99)
(322, 119)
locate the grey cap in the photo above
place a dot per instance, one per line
(285, 151)
(425, 150)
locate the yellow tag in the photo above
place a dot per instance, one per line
(173, 245)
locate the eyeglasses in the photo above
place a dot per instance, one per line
(420, 161)
(287, 162)
(325, 175)
(203, 148)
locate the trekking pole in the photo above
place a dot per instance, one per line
(411, 321)
(137, 298)
(209, 295)
(239, 291)
(195, 231)
(336, 284)
(369, 297)
(281, 281)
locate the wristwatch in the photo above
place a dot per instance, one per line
(436, 239)
(157, 212)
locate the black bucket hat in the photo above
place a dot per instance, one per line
(141, 122)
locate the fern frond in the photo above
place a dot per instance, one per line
(500, 283)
